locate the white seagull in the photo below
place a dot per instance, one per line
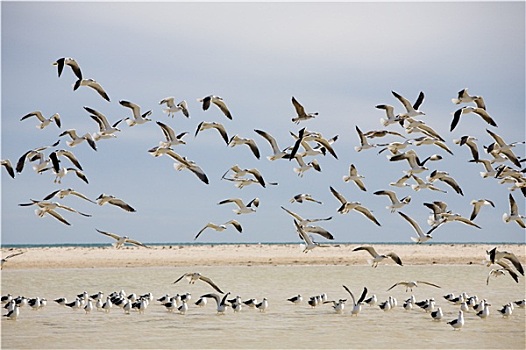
(213, 125)
(105, 129)
(218, 101)
(6, 163)
(43, 121)
(421, 236)
(4, 260)
(395, 202)
(220, 302)
(469, 109)
(513, 215)
(277, 152)
(301, 114)
(464, 97)
(61, 62)
(348, 206)
(183, 163)
(221, 227)
(309, 243)
(411, 110)
(237, 141)
(470, 142)
(121, 240)
(110, 199)
(389, 111)
(75, 139)
(477, 204)
(357, 304)
(243, 208)
(137, 118)
(355, 177)
(174, 108)
(409, 285)
(92, 84)
(193, 277)
(171, 139)
(301, 197)
(364, 143)
(378, 257)
(66, 192)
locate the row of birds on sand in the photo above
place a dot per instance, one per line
(181, 303)
(304, 144)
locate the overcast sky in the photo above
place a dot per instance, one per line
(338, 59)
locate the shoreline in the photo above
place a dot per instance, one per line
(247, 254)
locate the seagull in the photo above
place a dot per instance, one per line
(92, 84)
(426, 140)
(105, 129)
(13, 314)
(242, 182)
(184, 163)
(303, 222)
(411, 110)
(401, 182)
(477, 204)
(59, 171)
(70, 62)
(243, 209)
(513, 215)
(236, 141)
(4, 260)
(66, 192)
(193, 277)
(469, 109)
(238, 172)
(409, 285)
(357, 304)
(75, 139)
(421, 184)
(301, 114)
(278, 153)
(505, 148)
(6, 163)
(378, 257)
(464, 97)
(490, 172)
(303, 167)
(171, 139)
(218, 101)
(396, 204)
(46, 207)
(32, 155)
(220, 302)
(496, 256)
(502, 271)
(110, 199)
(138, 118)
(121, 240)
(355, 177)
(506, 310)
(470, 142)
(309, 243)
(484, 313)
(444, 177)
(43, 121)
(348, 206)
(213, 125)
(263, 305)
(221, 227)
(174, 108)
(520, 303)
(421, 236)
(301, 197)
(412, 125)
(394, 147)
(296, 299)
(391, 118)
(381, 133)
(364, 143)
(414, 162)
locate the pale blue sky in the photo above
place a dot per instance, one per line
(339, 59)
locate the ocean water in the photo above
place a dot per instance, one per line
(283, 325)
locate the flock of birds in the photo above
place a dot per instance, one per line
(500, 164)
(182, 303)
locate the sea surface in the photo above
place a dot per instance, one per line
(283, 325)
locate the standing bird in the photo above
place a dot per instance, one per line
(378, 257)
(301, 114)
(121, 240)
(220, 302)
(43, 121)
(357, 304)
(193, 277)
(218, 101)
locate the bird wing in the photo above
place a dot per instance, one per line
(451, 182)
(37, 114)
(456, 119)
(219, 127)
(363, 140)
(482, 112)
(338, 195)
(363, 296)
(368, 248)
(133, 241)
(394, 285)
(296, 216)
(211, 283)
(318, 230)
(168, 132)
(237, 201)
(350, 292)
(109, 234)
(80, 195)
(515, 261)
(13, 255)
(120, 203)
(97, 87)
(395, 258)
(57, 216)
(213, 296)
(306, 238)
(183, 276)
(236, 224)
(300, 111)
(70, 156)
(199, 173)
(429, 284)
(419, 100)
(514, 210)
(391, 194)
(413, 223)
(135, 108)
(367, 213)
(403, 100)
(201, 231)
(222, 106)
(270, 139)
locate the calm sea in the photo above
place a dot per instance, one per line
(283, 325)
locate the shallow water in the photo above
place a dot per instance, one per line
(282, 326)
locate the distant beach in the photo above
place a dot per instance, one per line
(247, 254)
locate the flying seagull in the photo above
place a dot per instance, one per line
(409, 285)
(193, 277)
(106, 198)
(6, 163)
(242, 207)
(137, 118)
(92, 84)
(513, 215)
(218, 101)
(4, 260)
(301, 114)
(464, 97)
(75, 139)
(395, 202)
(236, 141)
(348, 206)
(121, 240)
(221, 227)
(469, 109)
(66, 192)
(378, 257)
(421, 236)
(183, 163)
(477, 204)
(43, 121)
(277, 152)
(496, 256)
(61, 62)
(174, 108)
(105, 129)
(213, 125)
(411, 110)
(355, 177)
